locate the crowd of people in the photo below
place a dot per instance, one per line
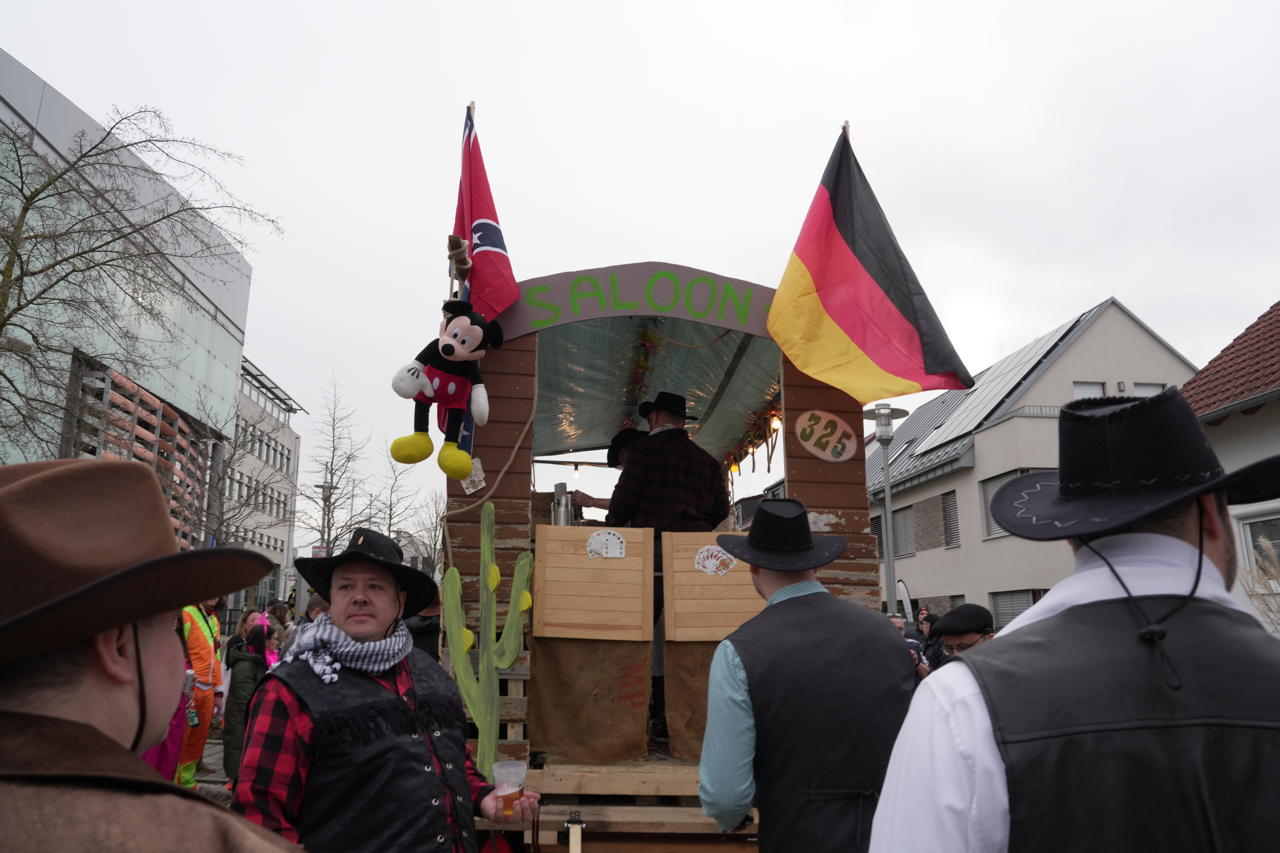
(1131, 708)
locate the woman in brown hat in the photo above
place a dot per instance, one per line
(91, 666)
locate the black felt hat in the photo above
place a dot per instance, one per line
(780, 539)
(1122, 459)
(370, 546)
(666, 402)
(620, 442)
(963, 619)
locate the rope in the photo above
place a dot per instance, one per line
(444, 518)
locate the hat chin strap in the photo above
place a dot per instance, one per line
(1155, 631)
(142, 691)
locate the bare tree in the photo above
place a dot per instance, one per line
(395, 503)
(336, 502)
(422, 535)
(101, 247)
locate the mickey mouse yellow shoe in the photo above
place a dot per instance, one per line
(455, 463)
(408, 449)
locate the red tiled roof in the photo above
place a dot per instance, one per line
(1249, 367)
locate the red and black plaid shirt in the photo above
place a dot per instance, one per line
(670, 484)
(278, 751)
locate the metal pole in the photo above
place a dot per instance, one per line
(890, 583)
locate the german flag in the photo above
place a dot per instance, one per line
(849, 311)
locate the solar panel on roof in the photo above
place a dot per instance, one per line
(994, 385)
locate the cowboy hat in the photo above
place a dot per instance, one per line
(370, 546)
(1123, 459)
(780, 539)
(88, 544)
(666, 402)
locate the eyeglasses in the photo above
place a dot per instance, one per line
(956, 648)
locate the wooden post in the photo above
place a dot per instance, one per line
(835, 492)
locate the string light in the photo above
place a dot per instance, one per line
(776, 423)
(733, 467)
(575, 470)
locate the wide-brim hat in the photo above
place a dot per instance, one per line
(666, 402)
(620, 442)
(88, 544)
(370, 546)
(1122, 459)
(780, 539)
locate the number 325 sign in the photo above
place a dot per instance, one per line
(826, 436)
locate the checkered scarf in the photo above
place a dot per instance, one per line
(327, 648)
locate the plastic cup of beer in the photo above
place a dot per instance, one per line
(508, 779)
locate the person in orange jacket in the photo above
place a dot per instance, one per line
(200, 631)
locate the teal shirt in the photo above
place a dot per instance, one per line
(726, 778)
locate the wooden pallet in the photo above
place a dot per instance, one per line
(626, 807)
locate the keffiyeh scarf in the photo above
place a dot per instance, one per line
(328, 649)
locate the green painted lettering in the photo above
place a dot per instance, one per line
(741, 303)
(550, 307)
(613, 295)
(577, 293)
(675, 291)
(711, 296)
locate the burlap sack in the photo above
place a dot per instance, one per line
(589, 699)
(687, 666)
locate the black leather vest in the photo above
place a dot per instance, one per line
(372, 786)
(1101, 754)
(829, 683)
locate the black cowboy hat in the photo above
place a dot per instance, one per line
(1122, 459)
(666, 402)
(370, 546)
(780, 539)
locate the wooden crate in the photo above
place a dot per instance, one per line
(592, 598)
(697, 606)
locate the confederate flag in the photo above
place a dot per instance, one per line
(491, 286)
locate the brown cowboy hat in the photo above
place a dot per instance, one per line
(87, 545)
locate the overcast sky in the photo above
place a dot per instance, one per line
(1033, 158)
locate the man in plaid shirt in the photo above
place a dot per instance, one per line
(357, 742)
(670, 484)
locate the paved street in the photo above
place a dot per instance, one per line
(213, 785)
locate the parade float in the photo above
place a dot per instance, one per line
(565, 683)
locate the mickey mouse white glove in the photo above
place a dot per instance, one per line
(409, 380)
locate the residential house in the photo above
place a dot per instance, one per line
(1237, 396)
(949, 457)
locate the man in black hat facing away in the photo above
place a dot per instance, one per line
(803, 700)
(357, 742)
(1134, 706)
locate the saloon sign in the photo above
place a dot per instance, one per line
(647, 289)
(826, 436)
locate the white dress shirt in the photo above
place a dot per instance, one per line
(946, 787)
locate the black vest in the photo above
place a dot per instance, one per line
(1101, 754)
(372, 786)
(829, 683)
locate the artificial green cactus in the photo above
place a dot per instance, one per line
(480, 689)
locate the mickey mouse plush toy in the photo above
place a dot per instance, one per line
(446, 373)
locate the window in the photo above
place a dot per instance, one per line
(989, 489)
(1147, 389)
(1264, 543)
(1007, 605)
(904, 532)
(950, 520)
(1080, 390)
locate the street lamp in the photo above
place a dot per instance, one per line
(884, 416)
